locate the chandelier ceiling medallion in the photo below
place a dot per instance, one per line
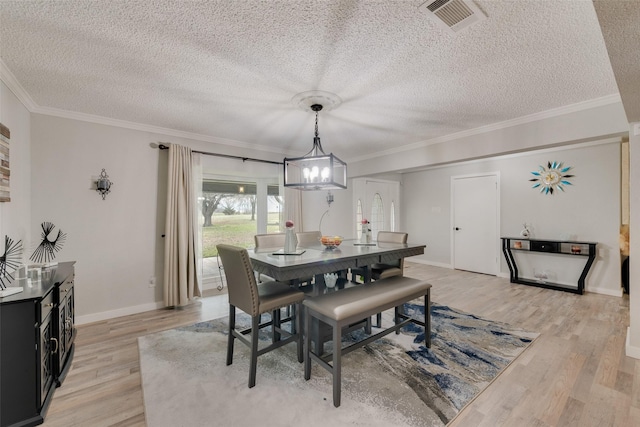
(316, 170)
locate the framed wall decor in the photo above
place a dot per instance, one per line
(5, 173)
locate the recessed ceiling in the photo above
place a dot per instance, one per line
(229, 69)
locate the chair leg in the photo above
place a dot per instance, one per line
(255, 329)
(232, 326)
(307, 344)
(298, 329)
(427, 319)
(337, 364)
(276, 317)
(292, 312)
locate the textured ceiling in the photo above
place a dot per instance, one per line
(229, 68)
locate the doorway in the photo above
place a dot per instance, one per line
(476, 217)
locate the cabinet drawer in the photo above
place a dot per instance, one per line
(541, 246)
(46, 305)
(65, 287)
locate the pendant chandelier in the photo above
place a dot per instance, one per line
(315, 170)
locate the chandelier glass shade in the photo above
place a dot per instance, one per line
(315, 170)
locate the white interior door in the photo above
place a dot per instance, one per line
(475, 223)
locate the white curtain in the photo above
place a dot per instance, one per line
(181, 277)
(293, 207)
(196, 174)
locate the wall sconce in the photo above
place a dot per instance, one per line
(329, 198)
(241, 189)
(103, 185)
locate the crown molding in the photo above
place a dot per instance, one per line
(554, 112)
(12, 83)
(150, 128)
(526, 153)
(14, 86)
(23, 96)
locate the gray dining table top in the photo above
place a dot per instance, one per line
(316, 259)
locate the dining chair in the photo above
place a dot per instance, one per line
(394, 268)
(254, 300)
(308, 238)
(272, 240)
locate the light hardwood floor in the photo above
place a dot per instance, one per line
(574, 374)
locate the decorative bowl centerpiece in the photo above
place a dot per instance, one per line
(331, 242)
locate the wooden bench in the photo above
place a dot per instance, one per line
(348, 306)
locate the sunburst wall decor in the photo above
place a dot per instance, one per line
(552, 177)
(10, 259)
(46, 250)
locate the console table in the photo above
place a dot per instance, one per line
(36, 346)
(559, 247)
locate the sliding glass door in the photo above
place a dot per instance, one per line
(237, 201)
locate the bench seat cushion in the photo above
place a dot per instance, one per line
(365, 300)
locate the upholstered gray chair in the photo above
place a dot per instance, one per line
(269, 241)
(394, 268)
(308, 238)
(245, 294)
(273, 241)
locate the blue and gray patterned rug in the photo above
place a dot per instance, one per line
(395, 380)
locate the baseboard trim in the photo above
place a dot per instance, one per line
(431, 263)
(106, 315)
(630, 350)
(604, 291)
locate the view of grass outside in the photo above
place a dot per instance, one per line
(236, 229)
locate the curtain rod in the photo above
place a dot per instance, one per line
(228, 156)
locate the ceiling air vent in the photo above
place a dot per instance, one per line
(453, 15)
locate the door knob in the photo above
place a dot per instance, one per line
(457, 228)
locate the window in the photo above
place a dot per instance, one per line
(392, 216)
(377, 215)
(358, 218)
(239, 199)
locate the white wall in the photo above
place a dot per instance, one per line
(589, 210)
(338, 219)
(116, 242)
(633, 335)
(113, 241)
(15, 215)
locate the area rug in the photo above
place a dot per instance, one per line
(393, 381)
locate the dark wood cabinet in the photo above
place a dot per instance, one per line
(36, 346)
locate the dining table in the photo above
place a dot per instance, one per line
(316, 259)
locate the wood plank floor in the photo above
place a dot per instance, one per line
(574, 374)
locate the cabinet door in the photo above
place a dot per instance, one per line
(65, 328)
(62, 332)
(69, 319)
(48, 348)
